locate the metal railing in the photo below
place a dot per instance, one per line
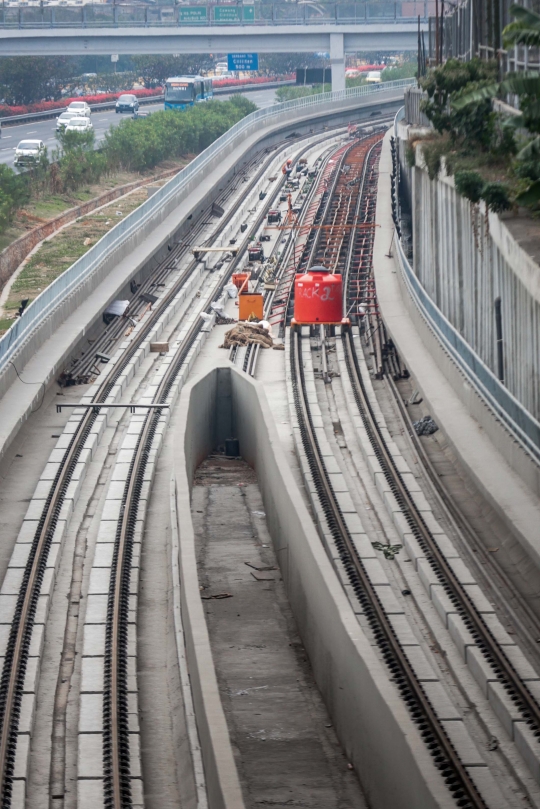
(119, 16)
(507, 408)
(47, 301)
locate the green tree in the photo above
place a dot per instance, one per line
(473, 125)
(142, 143)
(157, 68)
(25, 79)
(406, 71)
(14, 194)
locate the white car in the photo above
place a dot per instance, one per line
(28, 152)
(65, 118)
(79, 125)
(81, 108)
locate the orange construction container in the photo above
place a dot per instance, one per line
(318, 297)
(239, 278)
(250, 306)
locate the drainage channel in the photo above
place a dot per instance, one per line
(286, 749)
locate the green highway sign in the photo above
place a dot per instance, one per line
(234, 13)
(193, 14)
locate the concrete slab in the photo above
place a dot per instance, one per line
(92, 675)
(440, 701)
(91, 713)
(99, 581)
(90, 793)
(487, 786)
(503, 707)
(480, 669)
(460, 634)
(96, 609)
(465, 747)
(21, 756)
(90, 756)
(421, 665)
(529, 747)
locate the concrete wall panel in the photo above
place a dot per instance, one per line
(370, 718)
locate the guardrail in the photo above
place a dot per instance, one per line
(13, 120)
(66, 283)
(116, 15)
(508, 409)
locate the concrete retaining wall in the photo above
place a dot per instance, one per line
(465, 259)
(370, 718)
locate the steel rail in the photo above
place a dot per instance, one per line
(115, 712)
(15, 662)
(521, 697)
(462, 527)
(403, 675)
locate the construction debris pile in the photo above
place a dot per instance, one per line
(244, 334)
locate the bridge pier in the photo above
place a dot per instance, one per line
(337, 60)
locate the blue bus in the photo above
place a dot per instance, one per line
(185, 91)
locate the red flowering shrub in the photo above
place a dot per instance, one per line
(45, 106)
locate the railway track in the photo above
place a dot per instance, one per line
(402, 673)
(352, 254)
(304, 236)
(116, 740)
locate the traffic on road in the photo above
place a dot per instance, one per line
(46, 131)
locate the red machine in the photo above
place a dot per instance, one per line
(318, 297)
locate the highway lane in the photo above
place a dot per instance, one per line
(102, 121)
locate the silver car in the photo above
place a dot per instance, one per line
(63, 119)
(79, 124)
(28, 152)
(81, 108)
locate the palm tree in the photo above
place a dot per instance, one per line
(525, 30)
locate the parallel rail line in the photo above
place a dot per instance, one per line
(16, 658)
(446, 759)
(421, 710)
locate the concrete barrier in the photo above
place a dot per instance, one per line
(370, 718)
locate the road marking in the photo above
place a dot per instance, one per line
(33, 132)
(6, 137)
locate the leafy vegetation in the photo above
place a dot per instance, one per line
(495, 157)
(141, 144)
(13, 195)
(134, 145)
(406, 71)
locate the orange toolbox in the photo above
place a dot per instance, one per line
(250, 305)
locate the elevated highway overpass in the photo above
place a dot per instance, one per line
(264, 29)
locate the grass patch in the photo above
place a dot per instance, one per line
(58, 253)
(51, 205)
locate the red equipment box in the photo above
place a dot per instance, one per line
(318, 297)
